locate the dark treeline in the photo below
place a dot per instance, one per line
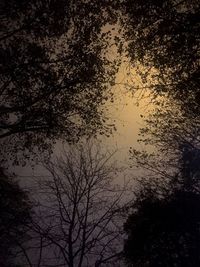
(56, 74)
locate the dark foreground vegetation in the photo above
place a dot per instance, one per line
(56, 76)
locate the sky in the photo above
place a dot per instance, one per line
(125, 112)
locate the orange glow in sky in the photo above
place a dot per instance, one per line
(126, 111)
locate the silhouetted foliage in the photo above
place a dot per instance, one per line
(55, 71)
(15, 214)
(164, 232)
(164, 228)
(164, 36)
(175, 141)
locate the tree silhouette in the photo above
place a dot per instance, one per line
(163, 35)
(15, 214)
(164, 232)
(78, 217)
(55, 72)
(175, 141)
(163, 229)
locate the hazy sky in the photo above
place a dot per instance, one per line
(124, 112)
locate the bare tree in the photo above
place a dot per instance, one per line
(79, 214)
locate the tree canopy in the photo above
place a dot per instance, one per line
(164, 232)
(55, 71)
(55, 75)
(164, 36)
(163, 227)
